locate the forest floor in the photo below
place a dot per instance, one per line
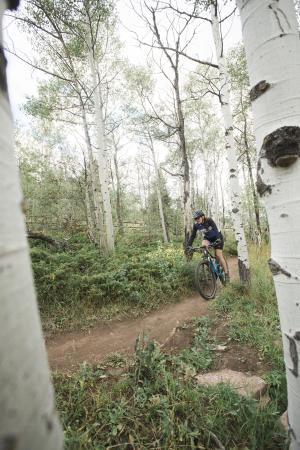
(167, 326)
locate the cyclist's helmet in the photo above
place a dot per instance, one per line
(198, 213)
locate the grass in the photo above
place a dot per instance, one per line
(153, 400)
(251, 315)
(152, 405)
(251, 312)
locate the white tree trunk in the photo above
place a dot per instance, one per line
(27, 419)
(94, 176)
(272, 46)
(187, 210)
(192, 177)
(216, 213)
(90, 216)
(159, 196)
(243, 258)
(102, 162)
(118, 192)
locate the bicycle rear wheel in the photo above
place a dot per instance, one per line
(206, 282)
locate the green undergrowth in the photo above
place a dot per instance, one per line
(251, 317)
(251, 312)
(155, 403)
(77, 286)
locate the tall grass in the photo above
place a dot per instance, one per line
(251, 315)
(251, 312)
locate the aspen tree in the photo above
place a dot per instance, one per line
(272, 45)
(243, 257)
(28, 420)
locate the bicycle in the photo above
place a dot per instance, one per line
(207, 272)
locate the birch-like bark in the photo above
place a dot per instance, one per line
(102, 162)
(243, 258)
(158, 193)
(27, 419)
(216, 214)
(89, 211)
(223, 203)
(272, 46)
(119, 203)
(96, 203)
(192, 176)
(187, 210)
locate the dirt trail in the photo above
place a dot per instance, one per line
(68, 350)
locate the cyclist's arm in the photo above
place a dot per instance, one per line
(192, 237)
(212, 224)
(212, 230)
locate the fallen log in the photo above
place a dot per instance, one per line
(48, 239)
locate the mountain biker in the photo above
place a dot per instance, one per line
(211, 235)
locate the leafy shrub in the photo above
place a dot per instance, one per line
(135, 277)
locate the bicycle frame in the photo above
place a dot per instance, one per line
(213, 263)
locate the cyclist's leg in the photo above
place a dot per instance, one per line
(221, 259)
(219, 255)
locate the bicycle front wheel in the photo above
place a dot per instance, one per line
(206, 282)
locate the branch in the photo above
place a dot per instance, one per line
(33, 24)
(170, 173)
(184, 13)
(229, 15)
(199, 61)
(39, 68)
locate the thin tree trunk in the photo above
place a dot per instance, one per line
(187, 211)
(95, 197)
(158, 193)
(88, 204)
(102, 162)
(223, 203)
(90, 220)
(272, 45)
(186, 199)
(28, 419)
(139, 185)
(119, 207)
(216, 213)
(207, 205)
(243, 258)
(249, 205)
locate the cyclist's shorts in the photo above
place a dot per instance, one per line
(219, 242)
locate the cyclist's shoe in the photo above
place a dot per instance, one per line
(227, 278)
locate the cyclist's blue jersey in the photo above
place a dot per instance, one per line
(208, 229)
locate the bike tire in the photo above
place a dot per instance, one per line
(206, 282)
(224, 281)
